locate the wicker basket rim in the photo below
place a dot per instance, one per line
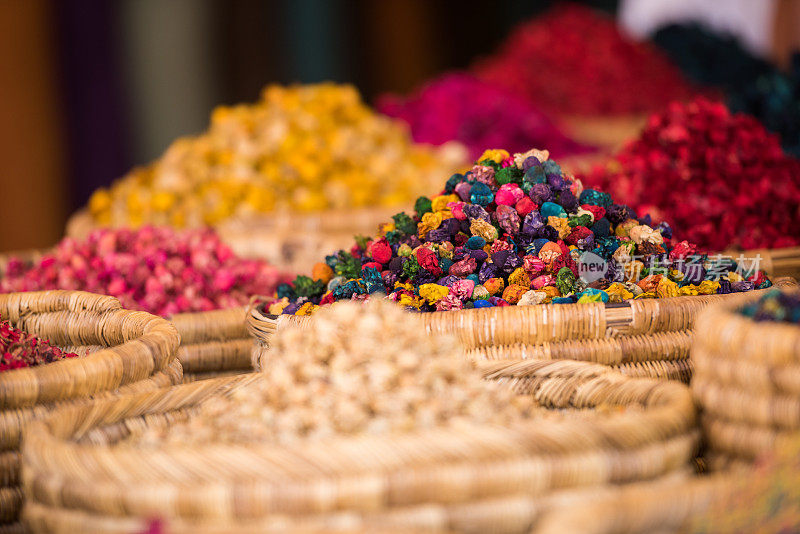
(730, 312)
(669, 411)
(261, 324)
(156, 332)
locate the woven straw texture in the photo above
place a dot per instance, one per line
(211, 342)
(129, 352)
(747, 385)
(776, 262)
(747, 381)
(488, 478)
(663, 506)
(641, 338)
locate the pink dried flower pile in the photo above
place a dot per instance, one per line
(155, 269)
(458, 106)
(19, 349)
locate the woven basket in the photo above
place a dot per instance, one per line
(486, 478)
(748, 383)
(664, 506)
(776, 261)
(129, 352)
(641, 338)
(607, 132)
(211, 342)
(760, 499)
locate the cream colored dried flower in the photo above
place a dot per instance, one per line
(358, 369)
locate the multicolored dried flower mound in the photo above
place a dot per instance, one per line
(19, 349)
(515, 230)
(340, 377)
(719, 178)
(460, 107)
(302, 148)
(574, 60)
(776, 305)
(155, 269)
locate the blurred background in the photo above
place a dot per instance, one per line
(92, 88)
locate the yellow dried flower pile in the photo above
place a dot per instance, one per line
(303, 148)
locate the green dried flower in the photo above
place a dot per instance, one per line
(404, 223)
(305, 286)
(422, 206)
(348, 265)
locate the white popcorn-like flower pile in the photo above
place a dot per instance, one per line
(359, 369)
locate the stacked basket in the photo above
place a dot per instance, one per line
(641, 338)
(129, 352)
(448, 478)
(213, 343)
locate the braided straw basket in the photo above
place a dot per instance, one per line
(641, 338)
(211, 342)
(748, 389)
(748, 383)
(450, 478)
(776, 261)
(129, 352)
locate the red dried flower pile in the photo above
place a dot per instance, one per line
(720, 179)
(155, 269)
(574, 60)
(19, 349)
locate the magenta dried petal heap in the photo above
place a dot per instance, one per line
(190, 276)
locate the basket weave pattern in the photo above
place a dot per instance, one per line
(130, 352)
(747, 385)
(436, 479)
(748, 382)
(640, 338)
